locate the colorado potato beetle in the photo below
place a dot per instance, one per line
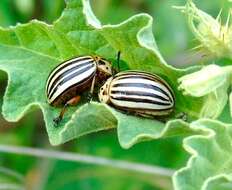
(138, 92)
(74, 76)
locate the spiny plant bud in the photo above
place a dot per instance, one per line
(215, 38)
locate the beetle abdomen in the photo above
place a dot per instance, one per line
(70, 78)
(142, 93)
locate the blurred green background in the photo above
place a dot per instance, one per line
(175, 42)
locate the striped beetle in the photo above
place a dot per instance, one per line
(138, 92)
(72, 77)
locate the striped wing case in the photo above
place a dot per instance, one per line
(70, 78)
(139, 92)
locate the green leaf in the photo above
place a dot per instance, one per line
(212, 82)
(210, 166)
(202, 82)
(133, 129)
(28, 52)
(215, 102)
(95, 114)
(230, 98)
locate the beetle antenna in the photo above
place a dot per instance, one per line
(58, 119)
(118, 60)
(71, 102)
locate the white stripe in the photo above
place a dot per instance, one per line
(138, 105)
(71, 82)
(64, 69)
(69, 61)
(69, 75)
(147, 75)
(139, 97)
(138, 89)
(65, 63)
(142, 81)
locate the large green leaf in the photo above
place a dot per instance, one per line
(28, 52)
(211, 82)
(210, 166)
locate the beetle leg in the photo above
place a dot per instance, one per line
(182, 116)
(89, 97)
(118, 60)
(71, 102)
(115, 71)
(90, 94)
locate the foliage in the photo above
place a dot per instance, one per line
(33, 49)
(212, 81)
(29, 51)
(210, 166)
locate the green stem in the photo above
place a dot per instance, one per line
(75, 157)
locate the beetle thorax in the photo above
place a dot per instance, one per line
(104, 95)
(104, 67)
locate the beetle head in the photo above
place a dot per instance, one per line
(104, 67)
(104, 95)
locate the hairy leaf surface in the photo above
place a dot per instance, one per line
(210, 165)
(28, 52)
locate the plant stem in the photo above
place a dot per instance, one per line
(75, 157)
(12, 173)
(11, 187)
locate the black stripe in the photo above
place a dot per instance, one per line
(151, 78)
(142, 85)
(64, 65)
(145, 75)
(70, 77)
(142, 100)
(82, 82)
(138, 73)
(140, 109)
(137, 77)
(67, 72)
(138, 93)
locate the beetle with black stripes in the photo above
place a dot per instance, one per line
(138, 92)
(74, 76)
